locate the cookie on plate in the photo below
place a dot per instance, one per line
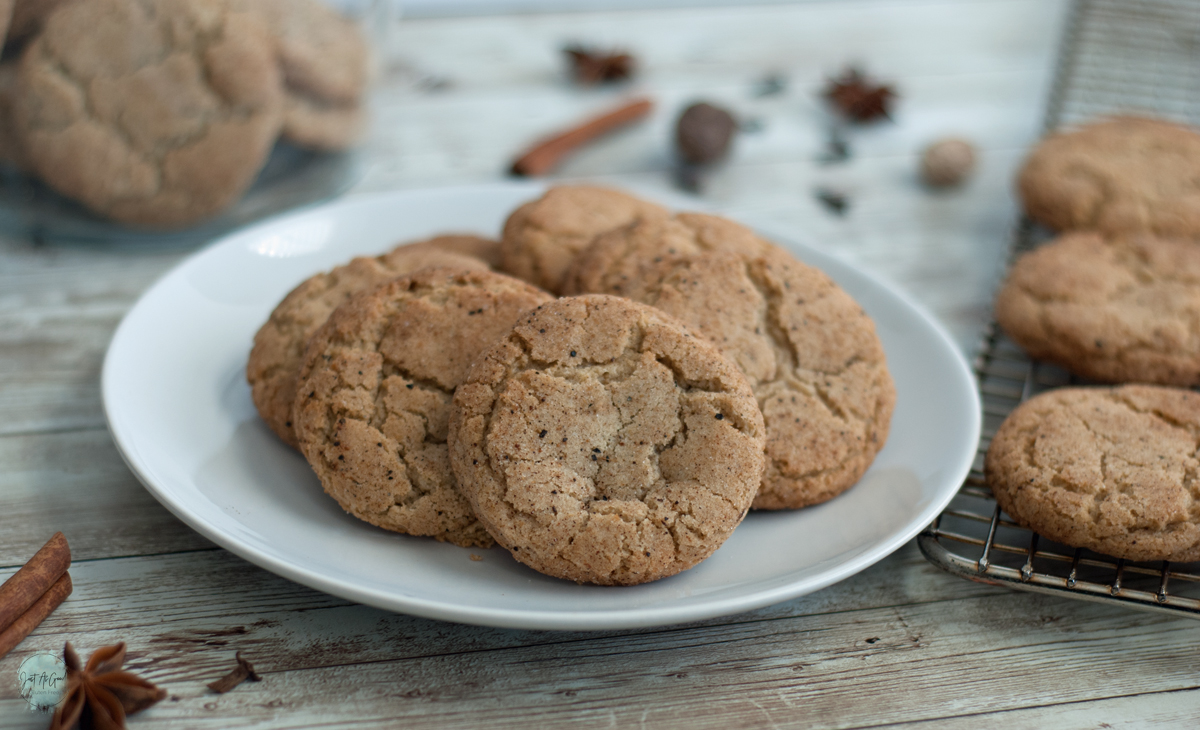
(372, 409)
(1108, 469)
(542, 237)
(278, 350)
(1125, 310)
(324, 57)
(465, 244)
(1120, 175)
(601, 442)
(809, 351)
(612, 263)
(154, 114)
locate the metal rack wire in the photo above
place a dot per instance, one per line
(1117, 56)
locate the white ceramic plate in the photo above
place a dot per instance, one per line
(180, 412)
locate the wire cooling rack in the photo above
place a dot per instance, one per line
(1131, 56)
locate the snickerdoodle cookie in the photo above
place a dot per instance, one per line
(372, 409)
(151, 113)
(1108, 469)
(279, 344)
(542, 237)
(1120, 175)
(809, 351)
(613, 262)
(324, 57)
(1123, 310)
(601, 442)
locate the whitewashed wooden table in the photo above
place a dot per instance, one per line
(900, 643)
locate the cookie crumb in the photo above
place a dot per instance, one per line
(476, 558)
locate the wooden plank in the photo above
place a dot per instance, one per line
(76, 483)
(785, 666)
(1170, 708)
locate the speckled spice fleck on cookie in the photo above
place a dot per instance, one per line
(1126, 310)
(601, 442)
(1120, 175)
(372, 409)
(1109, 469)
(278, 350)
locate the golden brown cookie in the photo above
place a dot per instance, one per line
(1120, 175)
(612, 263)
(464, 244)
(372, 410)
(279, 344)
(321, 126)
(151, 113)
(809, 351)
(601, 442)
(1108, 469)
(324, 57)
(542, 237)
(1126, 310)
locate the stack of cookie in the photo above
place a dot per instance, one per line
(614, 435)
(1115, 298)
(160, 113)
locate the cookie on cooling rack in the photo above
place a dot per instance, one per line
(1108, 469)
(373, 402)
(601, 442)
(1121, 310)
(542, 237)
(1119, 175)
(809, 350)
(278, 350)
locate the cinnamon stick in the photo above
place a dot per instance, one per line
(28, 584)
(33, 617)
(545, 155)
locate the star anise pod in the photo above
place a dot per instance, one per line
(590, 66)
(100, 695)
(857, 98)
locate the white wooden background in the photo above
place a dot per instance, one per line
(901, 643)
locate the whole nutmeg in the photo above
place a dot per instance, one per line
(703, 133)
(947, 162)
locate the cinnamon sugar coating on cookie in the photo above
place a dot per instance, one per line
(614, 262)
(278, 351)
(151, 113)
(542, 237)
(809, 351)
(601, 442)
(1123, 310)
(372, 409)
(1109, 469)
(1119, 175)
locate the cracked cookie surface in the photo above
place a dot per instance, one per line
(809, 351)
(1109, 469)
(157, 114)
(615, 262)
(602, 442)
(1120, 175)
(1124, 310)
(278, 351)
(542, 237)
(373, 407)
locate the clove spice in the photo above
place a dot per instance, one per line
(243, 671)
